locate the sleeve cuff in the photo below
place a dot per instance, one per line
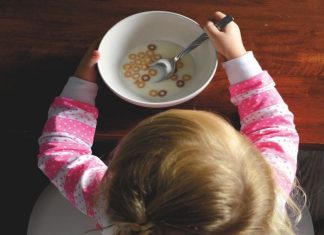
(80, 90)
(242, 68)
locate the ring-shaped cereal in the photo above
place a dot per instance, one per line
(140, 54)
(140, 84)
(138, 61)
(152, 72)
(136, 75)
(174, 77)
(186, 77)
(136, 68)
(151, 47)
(162, 93)
(127, 66)
(180, 83)
(153, 93)
(179, 64)
(149, 53)
(145, 77)
(132, 56)
(144, 67)
(147, 60)
(127, 74)
(157, 57)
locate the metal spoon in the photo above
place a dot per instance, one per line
(168, 65)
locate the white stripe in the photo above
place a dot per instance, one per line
(278, 164)
(274, 110)
(74, 114)
(285, 142)
(43, 159)
(100, 212)
(79, 198)
(87, 178)
(48, 137)
(60, 178)
(236, 99)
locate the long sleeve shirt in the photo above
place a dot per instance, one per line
(65, 154)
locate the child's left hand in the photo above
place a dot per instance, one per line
(87, 70)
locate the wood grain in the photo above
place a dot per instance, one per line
(42, 42)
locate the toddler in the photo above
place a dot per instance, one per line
(180, 171)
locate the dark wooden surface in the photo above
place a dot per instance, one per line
(41, 43)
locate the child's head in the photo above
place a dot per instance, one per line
(185, 171)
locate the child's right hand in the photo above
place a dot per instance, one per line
(227, 42)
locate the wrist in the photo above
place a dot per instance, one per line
(236, 53)
(242, 68)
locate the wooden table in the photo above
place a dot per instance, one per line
(42, 42)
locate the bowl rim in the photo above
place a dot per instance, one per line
(160, 104)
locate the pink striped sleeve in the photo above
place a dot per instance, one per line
(268, 123)
(65, 152)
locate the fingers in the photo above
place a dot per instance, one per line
(92, 55)
(95, 56)
(219, 15)
(210, 28)
(210, 24)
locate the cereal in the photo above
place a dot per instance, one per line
(144, 67)
(149, 53)
(179, 64)
(127, 74)
(151, 47)
(127, 66)
(141, 55)
(153, 93)
(136, 76)
(132, 56)
(162, 93)
(136, 69)
(174, 77)
(145, 77)
(157, 57)
(152, 72)
(147, 60)
(180, 83)
(140, 83)
(186, 77)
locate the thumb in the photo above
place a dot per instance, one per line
(95, 56)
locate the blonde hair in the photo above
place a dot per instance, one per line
(190, 171)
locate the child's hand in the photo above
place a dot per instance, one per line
(86, 70)
(227, 42)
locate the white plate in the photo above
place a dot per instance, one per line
(54, 215)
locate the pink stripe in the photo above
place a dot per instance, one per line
(257, 102)
(74, 127)
(91, 190)
(54, 164)
(73, 177)
(284, 157)
(262, 125)
(261, 80)
(283, 181)
(262, 146)
(67, 102)
(54, 147)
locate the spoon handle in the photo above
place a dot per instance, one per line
(220, 25)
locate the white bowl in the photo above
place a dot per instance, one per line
(148, 27)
